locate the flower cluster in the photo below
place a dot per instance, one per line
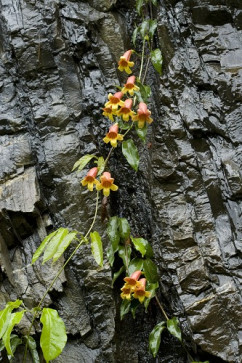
(105, 183)
(134, 287)
(117, 107)
(121, 109)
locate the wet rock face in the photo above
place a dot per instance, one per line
(58, 62)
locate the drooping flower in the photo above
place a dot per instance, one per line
(131, 281)
(125, 111)
(126, 292)
(114, 100)
(109, 112)
(106, 184)
(113, 136)
(90, 179)
(130, 86)
(124, 64)
(139, 292)
(143, 115)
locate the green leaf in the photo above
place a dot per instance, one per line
(134, 36)
(53, 336)
(124, 308)
(142, 246)
(123, 125)
(144, 28)
(154, 2)
(124, 254)
(113, 232)
(15, 341)
(139, 4)
(117, 274)
(150, 270)
(53, 245)
(42, 246)
(173, 327)
(142, 132)
(131, 154)
(97, 247)
(110, 255)
(134, 305)
(5, 315)
(156, 59)
(32, 348)
(65, 242)
(14, 319)
(135, 265)
(100, 165)
(124, 228)
(144, 90)
(152, 289)
(152, 27)
(82, 162)
(155, 338)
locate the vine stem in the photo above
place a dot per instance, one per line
(142, 60)
(60, 271)
(161, 307)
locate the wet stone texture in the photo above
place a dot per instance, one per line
(57, 64)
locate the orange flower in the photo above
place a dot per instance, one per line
(90, 179)
(106, 184)
(114, 100)
(124, 64)
(113, 136)
(143, 115)
(130, 87)
(125, 111)
(109, 112)
(139, 292)
(131, 281)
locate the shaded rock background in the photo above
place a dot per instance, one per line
(58, 62)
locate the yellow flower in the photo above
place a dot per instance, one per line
(125, 111)
(109, 112)
(139, 292)
(124, 64)
(90, 179)
(126, 292)
(114, 100)
(130, 87)
(143, 115)
(106, 184)
(113, 136)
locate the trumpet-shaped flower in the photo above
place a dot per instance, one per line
(124, 63)
(143, 115)
(109, 112)
(90, 179)
(130, 86)
(126, 292)
(139, 292)
(113, 136)
(114, 100)
(131, 281)
(106, 184)
(125, 111)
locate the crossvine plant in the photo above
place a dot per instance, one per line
(127, 110)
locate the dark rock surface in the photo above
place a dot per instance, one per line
(57, 64)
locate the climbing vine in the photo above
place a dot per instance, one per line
(127, 110)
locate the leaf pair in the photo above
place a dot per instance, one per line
(140, 3)
(172, 325)
(54, 245)
(84, 160)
